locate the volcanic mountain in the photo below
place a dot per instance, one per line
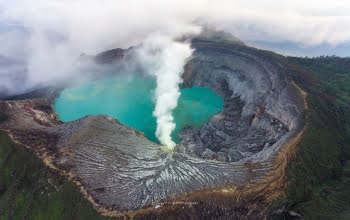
(235, 161)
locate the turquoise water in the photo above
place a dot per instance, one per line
(130, 100)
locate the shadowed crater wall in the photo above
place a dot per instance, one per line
(261, 109)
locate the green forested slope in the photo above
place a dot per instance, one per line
(319, 175)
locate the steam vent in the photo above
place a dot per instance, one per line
(231, 166)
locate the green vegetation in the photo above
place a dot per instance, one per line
(30, 191)
(3, 117)
(318, 176)
(333, 73)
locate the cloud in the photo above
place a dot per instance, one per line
(50, 34)
(95, 25)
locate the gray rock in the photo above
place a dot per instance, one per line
(260, 105)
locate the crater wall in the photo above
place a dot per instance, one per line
(261, 106)
(118, 169)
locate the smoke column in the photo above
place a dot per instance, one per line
(165, 59)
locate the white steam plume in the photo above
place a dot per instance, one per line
(165, 59)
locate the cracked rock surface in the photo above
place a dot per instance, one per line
(260, 106)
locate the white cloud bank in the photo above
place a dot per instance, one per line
(95, 25)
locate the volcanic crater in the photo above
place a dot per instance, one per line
(121, 171)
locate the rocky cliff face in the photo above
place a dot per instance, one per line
(120, 170)
(261, 106)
